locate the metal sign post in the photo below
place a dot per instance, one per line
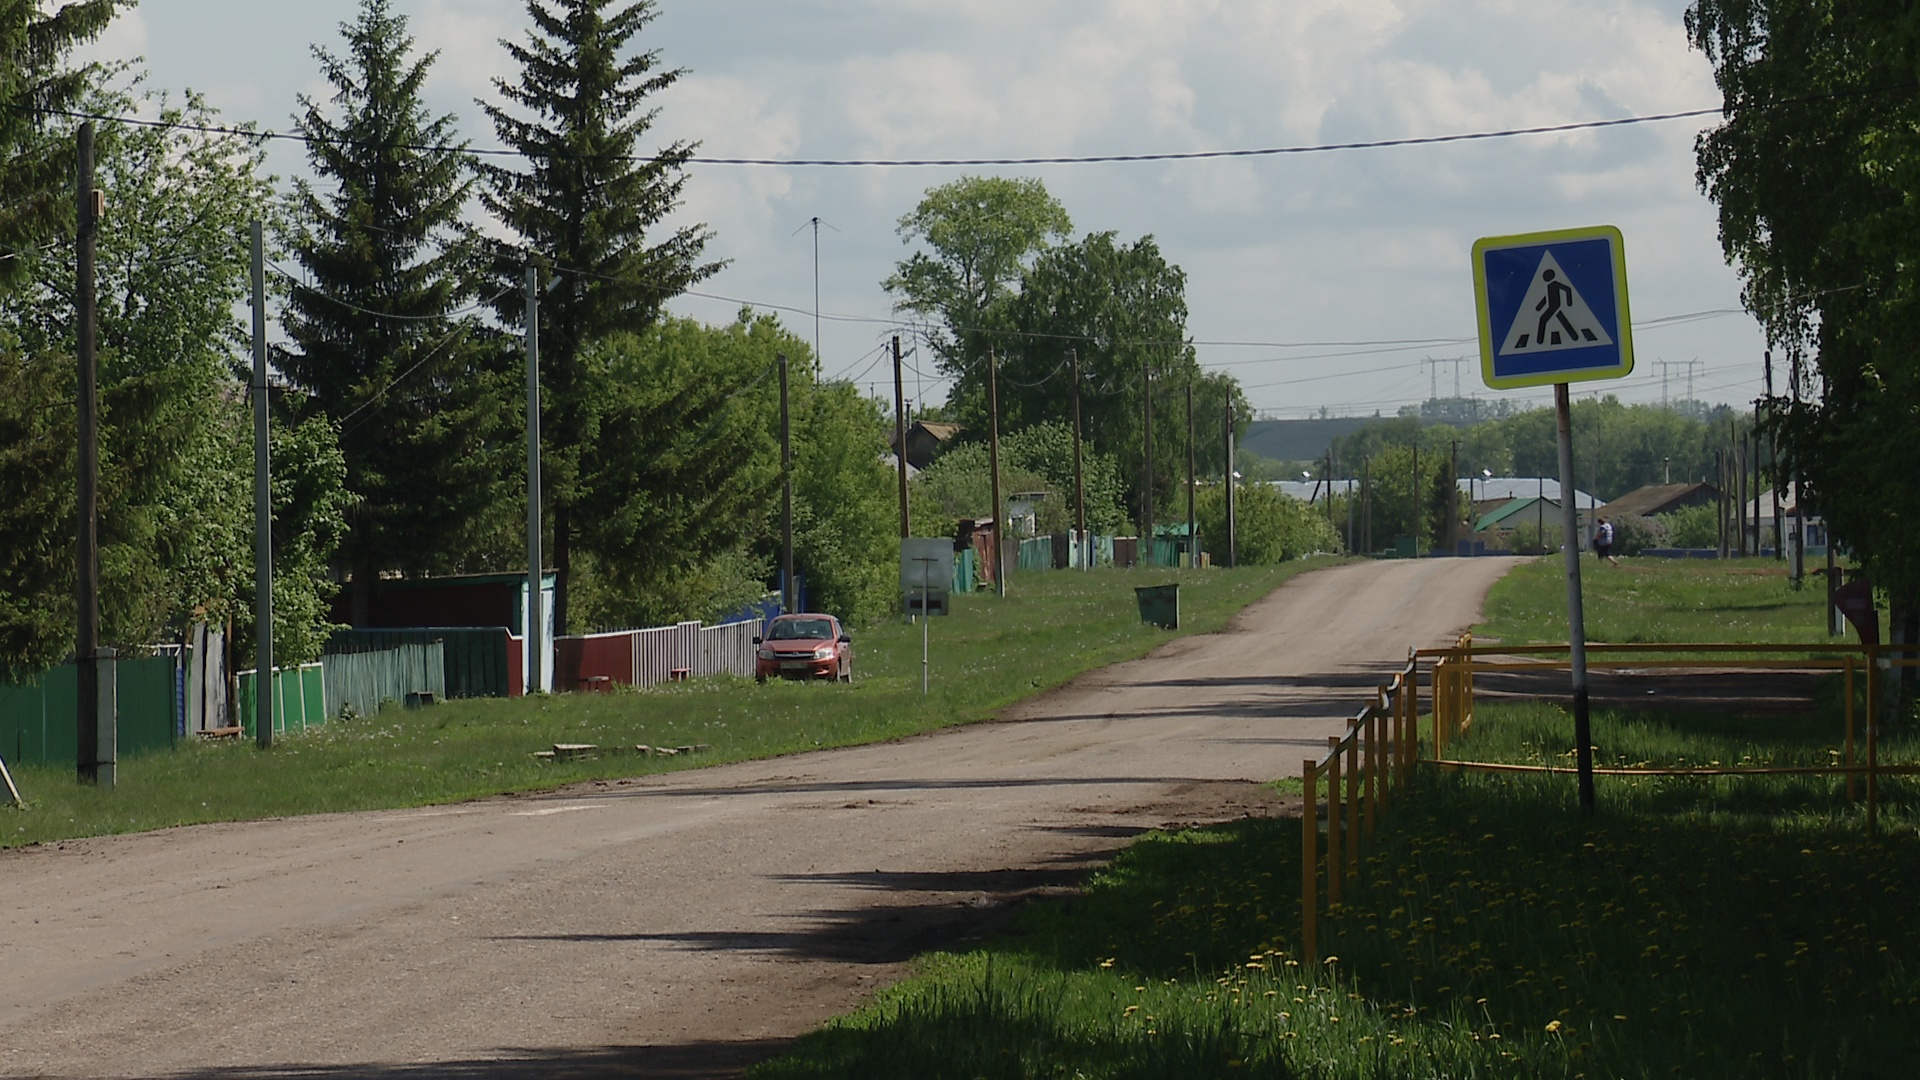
(1552, 311)
(926, 567)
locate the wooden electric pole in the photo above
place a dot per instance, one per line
(1193, 547)
(900, 436)
(1079, 476)
(1146, 487)
(789, 592)
(993, 465)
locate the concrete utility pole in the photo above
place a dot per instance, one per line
(262, 506)
(536, 615)
(1193, 547)
(87, 645)
(789, 592)
(993, 465)
(900, 436)
(1079, 476)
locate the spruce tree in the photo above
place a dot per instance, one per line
(419, 393)
(585, 203)
(36, 167)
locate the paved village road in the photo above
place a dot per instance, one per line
(676, 926)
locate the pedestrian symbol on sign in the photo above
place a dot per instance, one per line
(1552, 316)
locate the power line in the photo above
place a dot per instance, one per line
(252, 131)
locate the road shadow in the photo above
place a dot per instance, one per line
(703, 1060)
(1762, 692)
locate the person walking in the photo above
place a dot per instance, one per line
(1603, 541)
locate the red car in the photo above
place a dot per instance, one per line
(804, 646)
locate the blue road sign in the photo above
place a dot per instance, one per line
(1553, 307)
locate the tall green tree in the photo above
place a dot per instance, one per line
(587, 204)
(36, 157)
(1815, 169)
(176, 443)
(421, 396)
(1122, 308)
(981, 234)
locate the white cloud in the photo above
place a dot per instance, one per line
(1370, 243)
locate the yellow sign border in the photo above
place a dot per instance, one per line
(1624, 335)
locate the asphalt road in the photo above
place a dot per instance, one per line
(680, 926)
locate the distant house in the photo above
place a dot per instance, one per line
(1655, 499)
(925, 440)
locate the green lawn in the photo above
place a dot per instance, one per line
(1693, 927)
(989, 653)
(1658, 600)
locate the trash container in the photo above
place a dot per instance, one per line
(1159, 605)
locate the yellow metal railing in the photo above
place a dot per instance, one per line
(1376, 757)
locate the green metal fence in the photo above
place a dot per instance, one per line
(299, 699)
(37, 719)
(476, 662)
(366, 680)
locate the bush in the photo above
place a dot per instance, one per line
(1634, 534)
(1693, 526)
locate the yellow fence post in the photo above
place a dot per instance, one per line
(1410, 727)
(1851, 794)
(1376, 735)
(1354, 781)
(1873, 738)
(1309, 862)
(1335, 834)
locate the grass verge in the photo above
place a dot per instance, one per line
(989, 653)
(1658, 600)
(1696, 927)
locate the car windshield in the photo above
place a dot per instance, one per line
(799, 629)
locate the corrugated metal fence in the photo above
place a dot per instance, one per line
(366, 680)
(727, 650)
(653, 656)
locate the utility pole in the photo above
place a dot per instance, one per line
(789, 591)
(1453, 500)
(1329, 475)
(1417, 515)
(1366, 505)
(262, 506)
(1233, 526)
(1193, 547)
(816, 223)
(536, 644)
(993, 464)
(1079, 477)
(1799, 495)
(87, 647)
(1146, 489)
(900, 435)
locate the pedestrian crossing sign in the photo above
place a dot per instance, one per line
(1553, 307)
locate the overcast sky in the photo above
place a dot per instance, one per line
(1368, 246)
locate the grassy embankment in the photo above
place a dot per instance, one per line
(1698, 928)
(990, 652)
